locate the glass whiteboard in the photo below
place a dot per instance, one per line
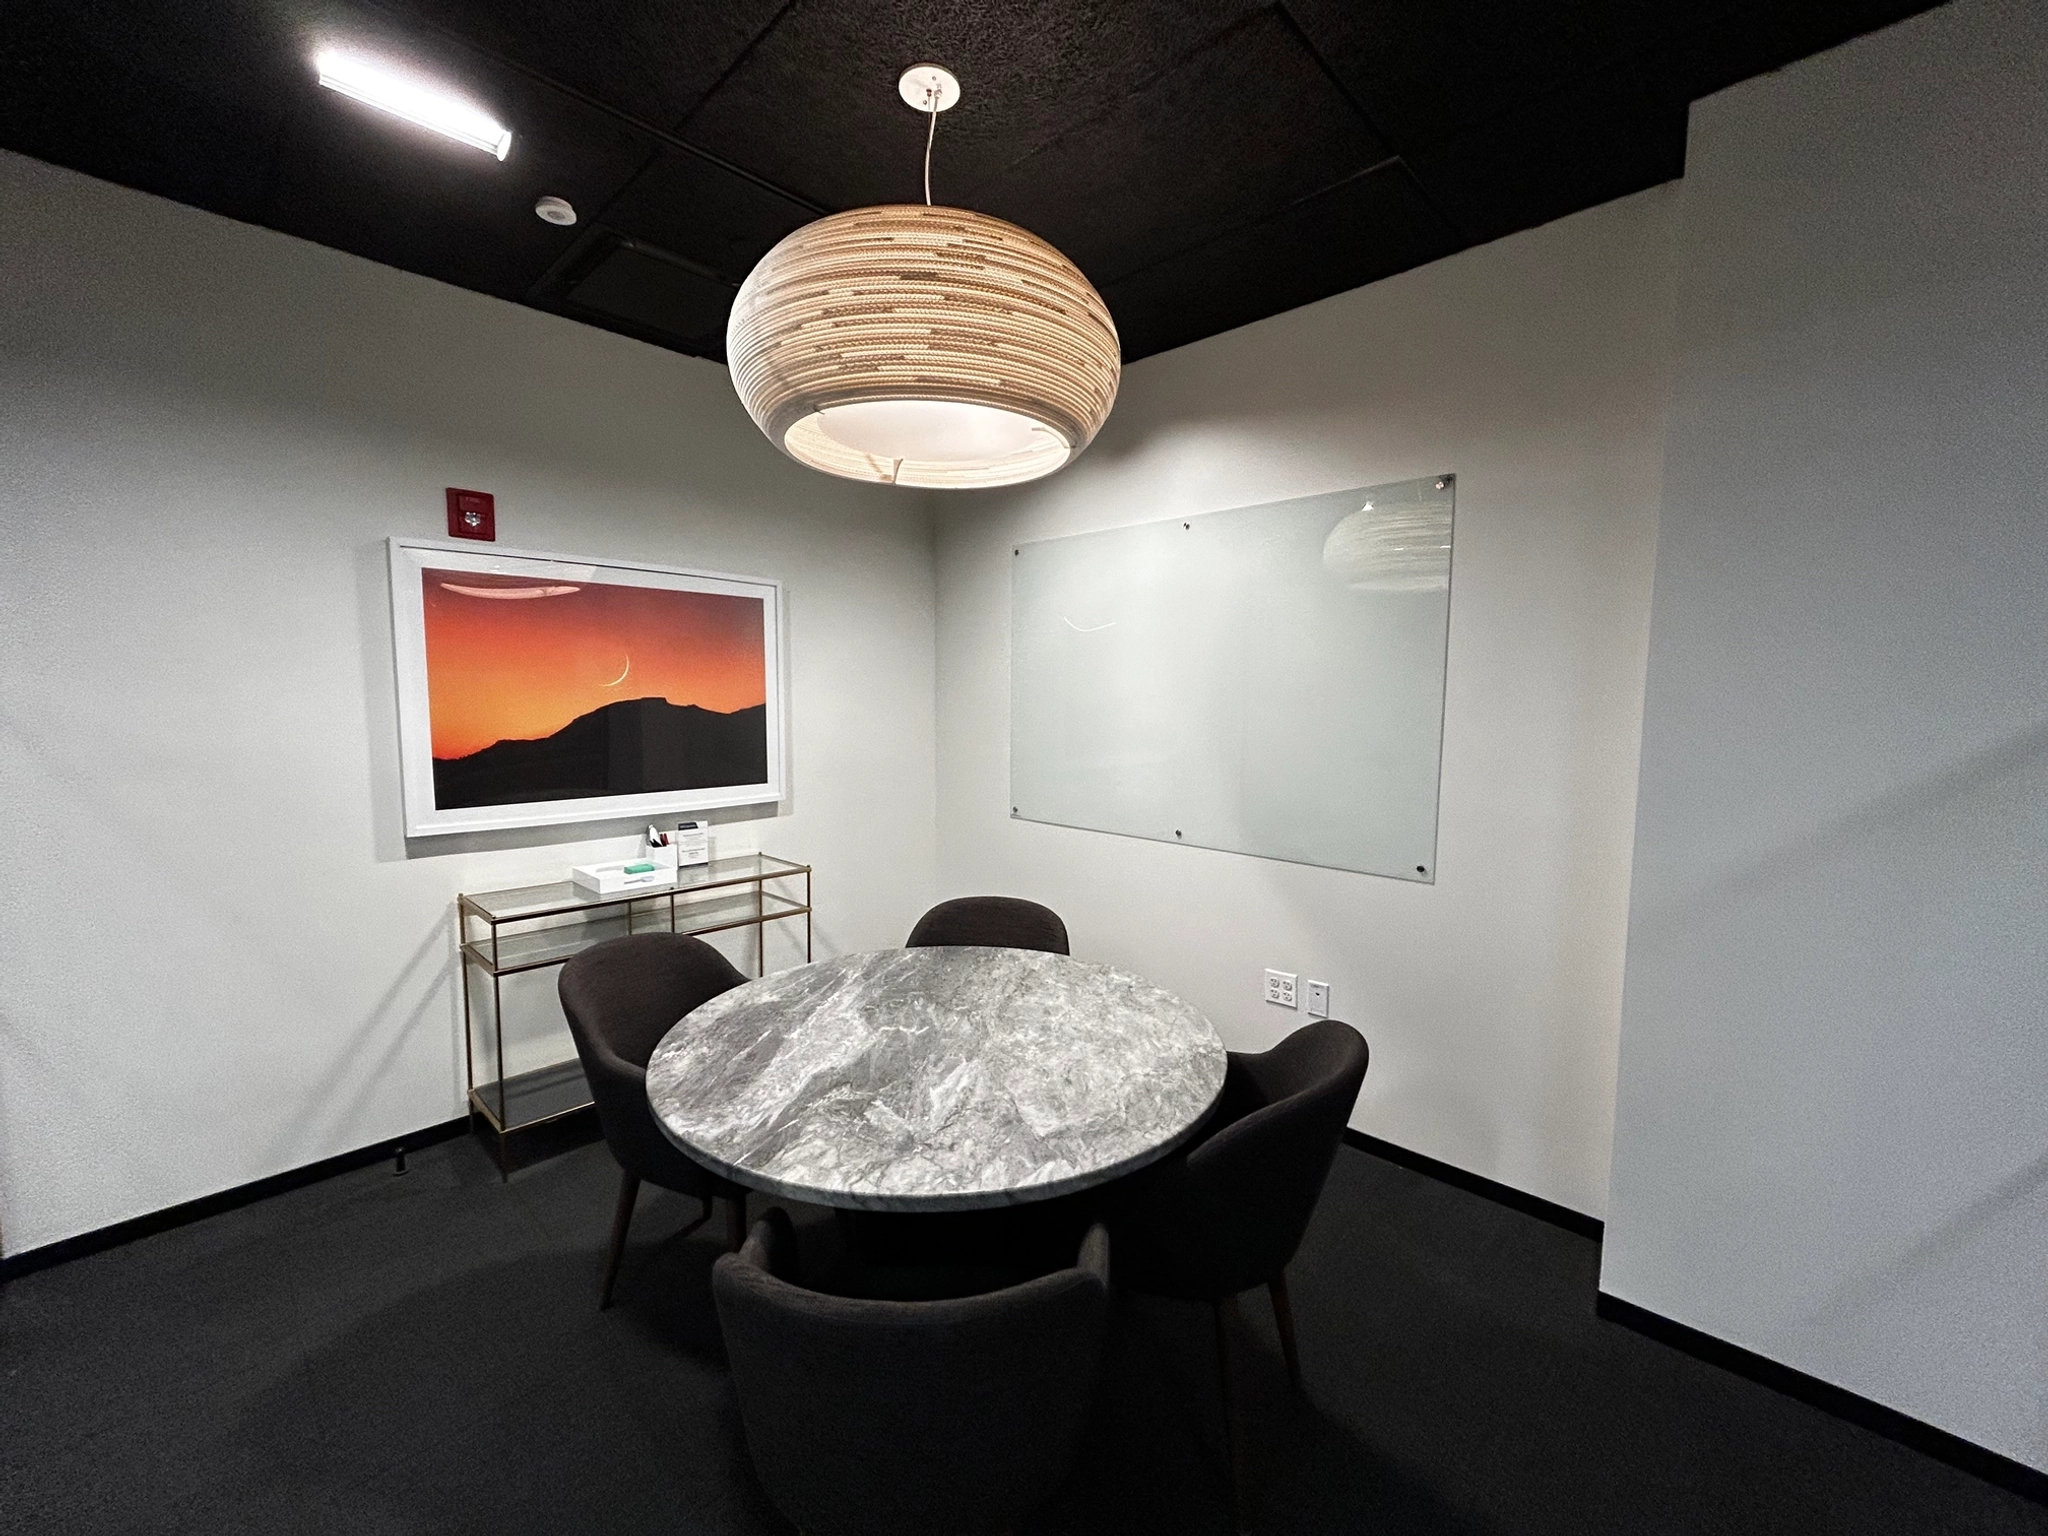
(1268, 680)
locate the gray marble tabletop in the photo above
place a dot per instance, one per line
(935, 1079)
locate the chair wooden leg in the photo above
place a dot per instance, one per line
(629, 1191)
(736, 1221)
(1233, 1432)
(1283, 1314)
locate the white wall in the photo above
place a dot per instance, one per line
(221, 959)
(1534, 369)
(1831, 1145)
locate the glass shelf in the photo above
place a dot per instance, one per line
(563, 896)
(531, 1098)
(531, 927)
(535, 947)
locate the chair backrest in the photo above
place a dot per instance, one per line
(621, 997)
(905, 1417)
(1229, 1213)
(1003, 922)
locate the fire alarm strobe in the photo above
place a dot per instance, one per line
(472, 514)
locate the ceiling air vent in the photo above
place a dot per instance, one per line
(644, 292)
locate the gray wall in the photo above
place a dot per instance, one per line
(219, 956)
(1832, 1133)
(1534, 368)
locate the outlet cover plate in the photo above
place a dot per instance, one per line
(1280, 989)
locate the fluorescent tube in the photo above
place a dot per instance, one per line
(413, 99)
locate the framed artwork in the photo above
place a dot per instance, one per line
(538, 689)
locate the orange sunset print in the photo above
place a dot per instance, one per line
(546, 689)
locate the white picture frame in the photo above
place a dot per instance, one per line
(410, 559)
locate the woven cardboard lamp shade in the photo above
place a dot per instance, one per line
(923, 346)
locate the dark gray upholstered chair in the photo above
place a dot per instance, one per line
(621, 997)
(907, 1417)
(1228, 1213)
(1002, 922)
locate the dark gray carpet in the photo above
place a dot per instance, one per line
(380, 1354)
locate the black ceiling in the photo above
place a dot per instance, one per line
(1206, 162)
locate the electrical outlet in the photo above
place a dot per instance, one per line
(1319, 999)
(1280, 988)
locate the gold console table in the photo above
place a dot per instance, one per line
(504, 933)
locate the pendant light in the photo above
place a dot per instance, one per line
(920, 345)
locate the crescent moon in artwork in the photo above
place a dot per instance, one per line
(508, 592)
(622, 675)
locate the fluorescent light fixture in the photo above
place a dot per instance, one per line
(415, 100)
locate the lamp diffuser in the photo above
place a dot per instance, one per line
(925, 346)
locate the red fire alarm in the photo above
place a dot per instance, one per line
(472, 514)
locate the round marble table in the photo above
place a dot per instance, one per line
(935, 1079)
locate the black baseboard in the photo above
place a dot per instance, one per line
(2017, 1477)
(1839, 1401)
(1501, 1194)
(128, 1231)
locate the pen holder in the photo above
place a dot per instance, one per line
(664, 856)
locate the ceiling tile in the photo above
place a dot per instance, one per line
(1584, 145)
(638, 291)
(1746, 39)
(216, 102)
(362, 181)
(1425, 70)
(1612, 131)
(130, 93)
(705, 213)
(814, 106)
(1370, 227)
(655, 59)
(1236, 132)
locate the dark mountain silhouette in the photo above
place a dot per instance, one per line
(633, 747)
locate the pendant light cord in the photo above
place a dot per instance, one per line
(931, 101)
